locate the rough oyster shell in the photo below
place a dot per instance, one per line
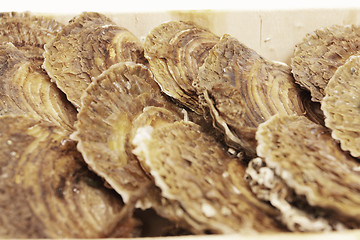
(341, 105)
(28, 33)
(175, 51)
(167, 208)
(87, 46)
(109, 107)
(26, 89)
(46, 190)
(303, 172)
(242, 90)
(191, 168)
(320, 53)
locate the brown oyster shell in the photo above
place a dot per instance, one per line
(28, 33)
(87, 46)
(303, 172)
(46, 190)
(26, 89)
(175, 51)
(170, 209)
(242, 90)
(191, 168)
(341, 105)
(109, 106)
(320, 53)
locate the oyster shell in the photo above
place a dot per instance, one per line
(175, 51)
(28, 33)
(168, 208)
(46, 190)
(320, 53)
(303, 172)
(109, 106)
(341, 105)
(26, 89)
(191, 168)
(242, 90)
(87, 46)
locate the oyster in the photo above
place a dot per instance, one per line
(320, 53)
(87, 46)
(168, 208)
(28, 33)
(46, 190)
(191, 168)
(242, 90)
(341, 105)
(175, 51)
(26, 89)
(302, 171)
(109, 107)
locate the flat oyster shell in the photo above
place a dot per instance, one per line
(26, 89)
(242, 90)
(303, 172)
(341, 105)
(28, 33)
(175, 51)
(87, 46)
(168, 208)
(46, 190)
(191, 168)
(320, 53)
(109, 106)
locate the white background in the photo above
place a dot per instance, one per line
(76, 6)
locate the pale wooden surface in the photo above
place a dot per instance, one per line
(273, 34)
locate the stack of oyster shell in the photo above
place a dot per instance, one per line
(103, 135)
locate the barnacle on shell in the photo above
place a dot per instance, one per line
(341, 105)
(302, 171)
(320, 53)
(87, 46)
(242, 90)
(47, 191)
(175, 51)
